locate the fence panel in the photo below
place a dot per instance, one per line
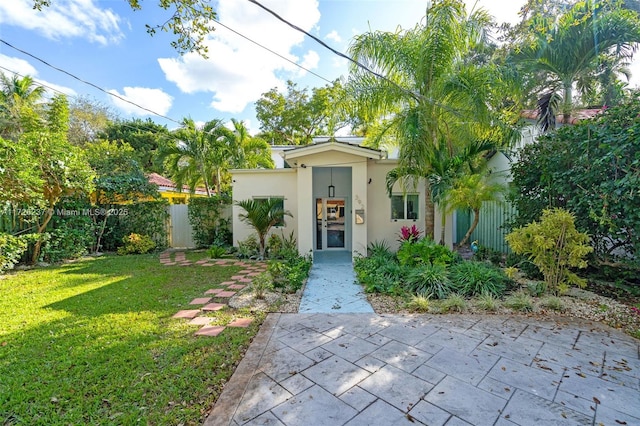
(490, 231)
(180, 231)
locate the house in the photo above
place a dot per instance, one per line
(168, 190)
(335, 189)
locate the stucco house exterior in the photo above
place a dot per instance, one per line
(335, 189)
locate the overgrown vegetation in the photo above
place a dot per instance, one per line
(210, 226)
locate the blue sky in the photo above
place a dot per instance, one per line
(105, 43)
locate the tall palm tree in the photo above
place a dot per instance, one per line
(565, 50)
(199, 155)
(251, 152)
(433, 97)
(262, 215)
(19, 99)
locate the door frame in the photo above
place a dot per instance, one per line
(320, 238)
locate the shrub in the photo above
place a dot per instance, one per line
(424, 252)
(377, 248)
(554, 245)
(476, 278)
(216, 252)
(410, 235)
(248, 248)
(11, 249)
(552, 302)
(379, 273)
(428, 280)
(524, 265)
(289, 275)
(419, 303)
(207, 221)
(488, 302)
(536, 288)
(136, 243)
(281, 247)
(261, 284)
(454, 303)
(519, 301)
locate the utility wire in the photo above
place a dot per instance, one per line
(336, 52)
(275, 53)
(88, 83)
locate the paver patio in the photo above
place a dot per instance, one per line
(368, 369)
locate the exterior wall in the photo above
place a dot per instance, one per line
(265, 183)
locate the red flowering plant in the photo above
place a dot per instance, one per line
(409, 234)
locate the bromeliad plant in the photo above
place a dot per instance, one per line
(410, 235)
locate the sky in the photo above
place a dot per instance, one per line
(100, 48)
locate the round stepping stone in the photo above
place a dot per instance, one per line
(209, 330)
(187, 313)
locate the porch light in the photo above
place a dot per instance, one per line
(332, 189)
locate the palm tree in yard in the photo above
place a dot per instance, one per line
(470, 191)
(198, 155)
(562, 51)
(19, 98)
(435, 96)
(262, 215)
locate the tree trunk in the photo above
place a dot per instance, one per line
(101, 231)
(476, 219)
(567, 101)
(36, 249)
(429, 212)
(443, 224)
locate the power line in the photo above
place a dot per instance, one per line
(336, 52)
(88, 83)
(275, 53)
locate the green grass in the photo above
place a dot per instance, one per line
(93, 342)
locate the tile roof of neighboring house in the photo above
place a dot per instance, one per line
(168, 185)
(578, 115)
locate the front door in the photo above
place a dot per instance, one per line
(330, 223)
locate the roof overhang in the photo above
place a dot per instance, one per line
(336, 146)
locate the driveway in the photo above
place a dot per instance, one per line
(367, 369)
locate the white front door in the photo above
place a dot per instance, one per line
(330, 223)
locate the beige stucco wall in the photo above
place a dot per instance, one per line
(265, 183)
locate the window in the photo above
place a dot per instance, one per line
(280, 205)
(404, 207)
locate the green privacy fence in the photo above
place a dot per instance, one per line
(490, 231)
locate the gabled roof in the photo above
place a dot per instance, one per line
(333, 145)
(576, 116)
(166, 184)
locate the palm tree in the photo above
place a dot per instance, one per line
(252, 152)
(199, 155)
(19, 98)
(470, 191)
(262, 215)
(432, 97)
(566, 50)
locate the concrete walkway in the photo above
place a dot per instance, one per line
(332, 286)
(368, 369)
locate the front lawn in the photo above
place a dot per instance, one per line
(93, 342)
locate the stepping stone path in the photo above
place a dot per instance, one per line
(228, 289)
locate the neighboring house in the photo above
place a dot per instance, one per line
(490, 231)
(169, 190)
(335, 189)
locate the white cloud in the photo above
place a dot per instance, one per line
(310, 60)
(333, 35)
(11, 65)
(237, 71)
(155, 100)
(70, 18)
